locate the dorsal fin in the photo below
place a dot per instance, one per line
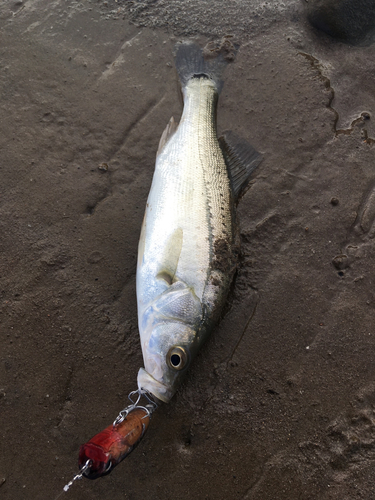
(241, 159)
(169, 130)
(171, 255)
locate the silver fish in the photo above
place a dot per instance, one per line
(188, 245)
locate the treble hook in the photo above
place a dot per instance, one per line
(148, 408)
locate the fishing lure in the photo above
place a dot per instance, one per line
(108, 448)
(105, 450)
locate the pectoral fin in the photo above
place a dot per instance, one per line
(170, 257)
(241, 159)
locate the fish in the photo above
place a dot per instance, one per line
(188, 247)
(187, 253)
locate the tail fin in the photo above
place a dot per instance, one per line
(193, 62)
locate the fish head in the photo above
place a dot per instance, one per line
(167, 356)
(169, 336)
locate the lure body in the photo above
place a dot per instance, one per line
(108, 448)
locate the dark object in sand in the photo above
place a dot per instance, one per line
(351, 21)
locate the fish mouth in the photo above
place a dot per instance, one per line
(150, 384)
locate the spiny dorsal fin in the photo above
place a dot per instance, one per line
(169, 130)
(241, 159)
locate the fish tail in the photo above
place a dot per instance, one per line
(193, 62)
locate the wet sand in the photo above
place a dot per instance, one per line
(280, 402)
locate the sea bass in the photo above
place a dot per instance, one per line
(188, 245)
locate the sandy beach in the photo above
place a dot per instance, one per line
(280, 403)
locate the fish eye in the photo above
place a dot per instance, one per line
(177, 358)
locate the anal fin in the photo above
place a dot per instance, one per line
(241, 159)
(169, 130)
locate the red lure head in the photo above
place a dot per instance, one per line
(113, 444)
(100, 460)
